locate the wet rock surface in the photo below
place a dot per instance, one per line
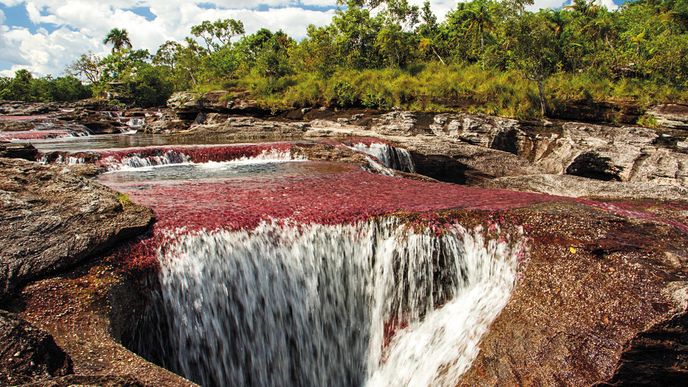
(599, 294)
(81, 380)
(59, 332)
(89, 311)
(657, 356)
(18, 151)
(52, 219)
(27, 353)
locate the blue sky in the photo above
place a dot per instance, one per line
(44, 36)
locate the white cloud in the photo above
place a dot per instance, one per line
(78, 26)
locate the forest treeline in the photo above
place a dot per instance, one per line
(486, 55)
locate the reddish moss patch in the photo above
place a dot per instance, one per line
(330, 193)
(197, 153)
(34, 135)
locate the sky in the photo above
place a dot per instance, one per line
(44, 36)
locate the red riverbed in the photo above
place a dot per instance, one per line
(30, 135)
(197, 153)
(337, 194)
(314, 192)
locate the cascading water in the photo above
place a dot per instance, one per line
(391, 157)
(62, 159)
(376, 303)
(172, 157)
(135, 161)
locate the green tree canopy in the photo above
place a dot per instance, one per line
(119, 38)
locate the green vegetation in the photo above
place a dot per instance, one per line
(486, 56)
(124, 199)
(25, 87)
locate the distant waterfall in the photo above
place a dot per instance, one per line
(378, 303)
(62, 159)
(173, 157)
(135, 161)
(391, 157)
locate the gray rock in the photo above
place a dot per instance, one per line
(184, 100)
(672, 116)
(220, 101)
(481, 130)
(246, 128)
(51, 219)
(397, 123)
(574, 186)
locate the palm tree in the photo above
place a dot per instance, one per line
(484, 20)
(119, 38)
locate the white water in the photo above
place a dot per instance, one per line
(69, 160)
(135, 161)
(171, 157)
(375, 167)
(391, 157)
(307, 306)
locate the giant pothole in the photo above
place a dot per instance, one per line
(374, 303)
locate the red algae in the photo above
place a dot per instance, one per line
(34, 135)
(336, 194)
(328, 193)
(196, 153)
(642, 211)
(346, 196)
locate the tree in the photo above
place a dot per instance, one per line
(218, 34)
(518, 6)
(20, 88)
(533, 50)
(317, 52)
(121, 64)
(181, 62)
(428, 32)
(87, 67)
(67, 89)
(149, 86)
(273, 58)
(395, 40)
(470, 27)
(355, 34)
(25, 87)
(119, 38)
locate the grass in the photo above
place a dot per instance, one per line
(435, 87)
(124, 199)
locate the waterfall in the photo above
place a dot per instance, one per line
(135, 161)
(378, 303)
(391, 157)
(62, 159)
(174, 157)
(136, 123)
(376, 167)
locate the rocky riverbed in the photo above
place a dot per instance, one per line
(601, 298)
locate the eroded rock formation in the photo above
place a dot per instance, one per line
(599, 293)
(51, 220)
